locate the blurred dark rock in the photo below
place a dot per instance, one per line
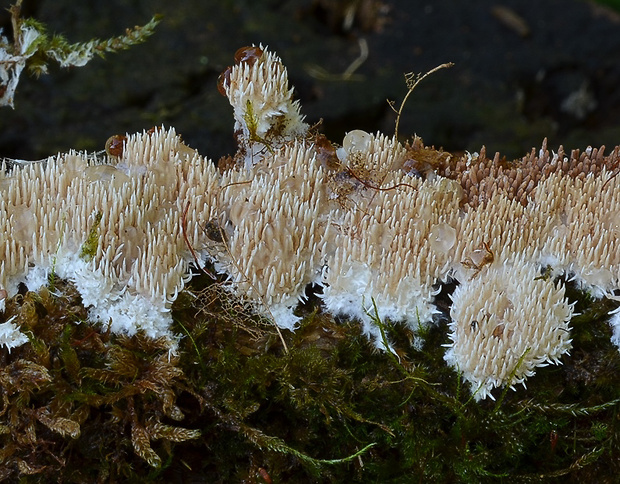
(507, 90)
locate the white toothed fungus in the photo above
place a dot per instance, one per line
(506, 322)
(276, 243)
(113, 229)
(373, 221)
(592, 215)
(10, 335)
(393, 240)
(265, 113)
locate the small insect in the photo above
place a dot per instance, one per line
(264, 475)
(473, 325)
(115, 145)
(498, 332)
(214, 231)
(249, 54)
(487, 258)
(325, 152)
(553, 439)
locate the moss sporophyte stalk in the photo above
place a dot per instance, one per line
(373, 295)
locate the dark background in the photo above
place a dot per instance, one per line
(506, 90)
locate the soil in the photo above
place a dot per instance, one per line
(523, 71)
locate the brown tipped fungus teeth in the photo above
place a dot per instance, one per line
(379, 225)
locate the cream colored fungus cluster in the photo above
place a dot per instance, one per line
(130, 206)
(290, 209)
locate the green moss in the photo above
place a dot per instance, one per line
(251, 121)
(41, 48)
(234, 405)
(615, 4)
(89, 249)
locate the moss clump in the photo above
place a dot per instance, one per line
(81, 405)
(233, 405)
(89, 248)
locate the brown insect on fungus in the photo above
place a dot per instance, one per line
(115, 144)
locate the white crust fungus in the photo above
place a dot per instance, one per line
(615, 327)
(10, 335)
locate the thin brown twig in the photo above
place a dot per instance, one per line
(617, 172)
(411, 89)
(373, 187)
(234, 261)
